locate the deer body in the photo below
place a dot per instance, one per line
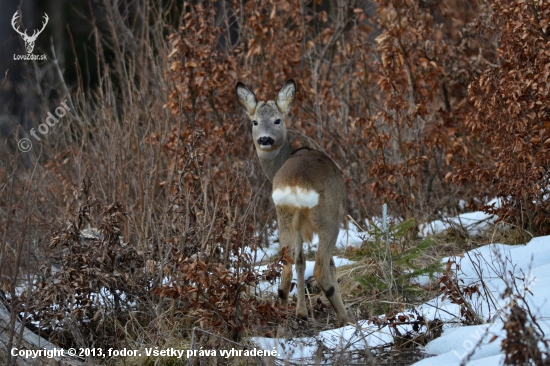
(308, 192)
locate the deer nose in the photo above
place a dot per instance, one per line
(266, 141)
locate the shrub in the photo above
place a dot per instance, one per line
(511, 116)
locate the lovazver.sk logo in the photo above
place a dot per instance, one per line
(29, 40)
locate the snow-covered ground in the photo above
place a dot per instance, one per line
(527, 265)
(472, 223)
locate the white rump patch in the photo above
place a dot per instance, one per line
(295, 196)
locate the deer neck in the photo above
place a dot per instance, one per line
(272, 161)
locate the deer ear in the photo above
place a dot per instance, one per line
(246, 98)
(286, 96)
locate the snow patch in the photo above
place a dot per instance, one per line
(473, 223)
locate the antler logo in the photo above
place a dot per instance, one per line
(29, 40)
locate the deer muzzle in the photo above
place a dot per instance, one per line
(265, 141)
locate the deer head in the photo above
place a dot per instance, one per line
(29, 40)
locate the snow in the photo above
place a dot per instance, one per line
(456, 343)
(528, 265)
(472, 223)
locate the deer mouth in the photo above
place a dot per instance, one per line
(265, 142)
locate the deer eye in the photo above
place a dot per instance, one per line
(255, 123)
(277, 121)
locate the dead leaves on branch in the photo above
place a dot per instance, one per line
(511, 115)
(220, 299)
(89, 276)
(450, 285)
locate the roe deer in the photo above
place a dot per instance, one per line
(308, 191)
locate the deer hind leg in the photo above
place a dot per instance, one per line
(284, 222)
(325, 272)
(301, 308)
